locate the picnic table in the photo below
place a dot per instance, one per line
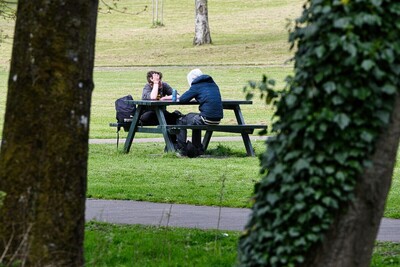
(166, 130)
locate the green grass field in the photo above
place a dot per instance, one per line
(115, 175)
(249, 40)
(126, 245)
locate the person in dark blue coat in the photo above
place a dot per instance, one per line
(204, 90)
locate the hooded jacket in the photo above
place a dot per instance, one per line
(205, 91)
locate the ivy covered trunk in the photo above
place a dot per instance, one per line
(44, 150)
(202, 33)
(329, 164)
(350, 240)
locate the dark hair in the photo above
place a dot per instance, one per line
(150, 75)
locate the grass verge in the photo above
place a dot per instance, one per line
(149, 174)
(135, 245)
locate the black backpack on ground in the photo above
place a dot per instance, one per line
(125, 111)
(191, 151)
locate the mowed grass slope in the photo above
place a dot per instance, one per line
(249, 39)
(250, 32)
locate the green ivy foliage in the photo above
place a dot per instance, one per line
(328, 118)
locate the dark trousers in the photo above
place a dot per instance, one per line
(150, 118)
(189, 119)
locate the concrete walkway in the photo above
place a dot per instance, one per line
(188, 216)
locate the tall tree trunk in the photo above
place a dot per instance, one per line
(351, 239)
(43, 158)
(202, 30)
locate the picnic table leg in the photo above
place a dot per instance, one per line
(196, 137)
(162, 122)
(132, 130)
(245, 136)
(206, 140)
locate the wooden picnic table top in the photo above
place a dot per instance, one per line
(160, 105)
(170, 102)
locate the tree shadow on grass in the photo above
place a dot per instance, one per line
(223, 151)
(220, 151)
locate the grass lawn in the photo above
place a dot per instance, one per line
(111, 85)
(149, 174)
(249, 40)
(245, 46)
(123, 245)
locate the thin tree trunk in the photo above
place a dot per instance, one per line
(156, 11)
(162, 13)
(43, 158)
(351, 240)
(152, 5)
(202, 33)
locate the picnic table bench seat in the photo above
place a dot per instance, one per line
(242, 128)
(119, 125)
(235, 128)
(168, 130)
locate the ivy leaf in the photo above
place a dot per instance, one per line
(271, 82)
(273, 260)
(350, 48)
(367, 64)
(318, 211)
(292, 155)
(290, 100)
(340, 176)
(342, 120)
(329, 169)
(341, 157)
(330, 202)
(377, 3)
(320, 51)
(342, 23)
(383, 116)
(367, 137)
(316, 229)
(300, 206)
(301, 164)
(329, 87)
(388, 55)
(320, 75)
(361, 93)
(300, 242)
(389, 89)
(294, 231)
(312, 237)
(272, 198)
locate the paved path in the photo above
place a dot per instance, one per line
(188, 216)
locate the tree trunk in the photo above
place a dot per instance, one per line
(43, 158)
(351, 239)
(202, 30)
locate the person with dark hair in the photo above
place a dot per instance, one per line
(204, 90)
(156, 89)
